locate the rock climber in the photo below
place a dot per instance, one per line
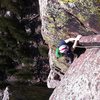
(66, 48)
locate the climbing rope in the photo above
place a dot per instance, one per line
(88, 46)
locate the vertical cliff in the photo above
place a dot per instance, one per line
(62, 19)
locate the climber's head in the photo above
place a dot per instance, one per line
(63, 48)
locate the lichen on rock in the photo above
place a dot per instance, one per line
(66, 1)
(56, 18)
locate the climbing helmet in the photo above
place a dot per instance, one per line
(63, 48)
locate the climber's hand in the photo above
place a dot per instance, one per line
(78, 37)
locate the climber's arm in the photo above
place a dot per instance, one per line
(75, 40)
(70, 40)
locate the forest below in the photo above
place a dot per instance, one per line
(23, 52)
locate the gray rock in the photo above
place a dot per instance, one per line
(61, 21)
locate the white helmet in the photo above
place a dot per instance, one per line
(63, 48)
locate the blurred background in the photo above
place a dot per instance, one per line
(24, 65)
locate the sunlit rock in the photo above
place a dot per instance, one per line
(62, 19)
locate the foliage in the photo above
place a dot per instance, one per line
(29, 92)
(24, 75)
(17, 46)
(43, 50)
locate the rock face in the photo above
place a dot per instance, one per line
(82, 80)
(62, 19)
